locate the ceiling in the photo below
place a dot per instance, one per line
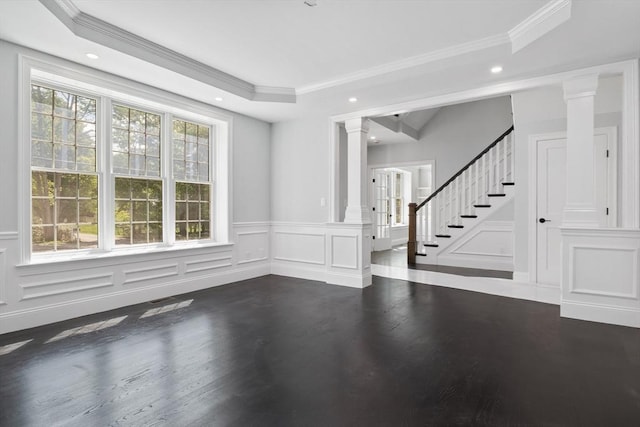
(380, 51)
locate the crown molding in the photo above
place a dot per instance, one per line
(545, 19)
(96, 30)
(436, 55)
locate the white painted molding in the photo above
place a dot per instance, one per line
(627, 68)
(65, 286)
(485, 285)
(41, 315)
(601, 313)
(437, 55)
(96, 30)
(208, 264)
(541, 22)
(149, 273)
(3, 276)
(8, 235)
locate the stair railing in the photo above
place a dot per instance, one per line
(465, 191)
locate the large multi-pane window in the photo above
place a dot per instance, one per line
(135, 147)
(191, 147)
(64, 182)
(73, 194)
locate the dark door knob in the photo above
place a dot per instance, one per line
(543, 220)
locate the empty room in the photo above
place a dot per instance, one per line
(320, 212)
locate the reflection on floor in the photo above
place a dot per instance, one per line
(397, 257)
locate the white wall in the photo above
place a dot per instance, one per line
(300, 170)
(42, 293)
(454, 136)
(540, 111)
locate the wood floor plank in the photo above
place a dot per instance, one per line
(278, 351)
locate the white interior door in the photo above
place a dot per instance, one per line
(382, 211)
(551, 186)
(551, 155)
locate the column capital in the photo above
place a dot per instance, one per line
(578, 87)
(358, 124)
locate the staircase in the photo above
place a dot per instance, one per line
(480, 188)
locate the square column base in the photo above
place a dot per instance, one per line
(349, 254)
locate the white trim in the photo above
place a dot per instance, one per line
(3, 276)
(98, 31)
(532, 195)
(629, 147)
(8, 235)
(630, 116)
(42, 315)
(541, 22)
(300, 271)
(486, 285)
(600, 313)
(413, 61)
(105, 89)
(626, 68)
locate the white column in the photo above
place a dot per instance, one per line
(357, 211)
(580, 207)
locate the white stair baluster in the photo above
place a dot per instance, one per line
(512, 152)
(504, 159)
(478, 193)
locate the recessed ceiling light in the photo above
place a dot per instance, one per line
(372, 137)
(92, 56)
(218, 98)
(353, 99)
(497, 69)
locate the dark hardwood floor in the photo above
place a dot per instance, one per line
(277, 351)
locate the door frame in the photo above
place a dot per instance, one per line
(372, 166)
(612, 135)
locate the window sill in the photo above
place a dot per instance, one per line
(119, 253)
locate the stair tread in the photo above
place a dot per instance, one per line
(419, 254)
(508, 183)
(431, 245)
(481, 206)
(455, 226)
(443, 235)
(496, 195)
(468, 216)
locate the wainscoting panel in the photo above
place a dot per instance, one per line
(300, 247)
(489, 245)
(47, 292)
(3, 276)
(67, 285)
(600, 278)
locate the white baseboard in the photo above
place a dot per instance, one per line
(300, 271)
(484, 262)
(350, 280)
(397, 242)
(600, 313)
(486, 285)
(29, 318)
(521, 276)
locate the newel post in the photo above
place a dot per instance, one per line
(411, 244)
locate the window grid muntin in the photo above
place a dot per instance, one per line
(105, 99)
(129, 206)
(191, 165)
(73, 197)
(193, 211)
(136, 141)
(58, 149)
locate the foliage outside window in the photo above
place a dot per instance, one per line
(64, 185)
(67, 204)
(191, 145)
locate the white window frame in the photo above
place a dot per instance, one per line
(108, 89)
